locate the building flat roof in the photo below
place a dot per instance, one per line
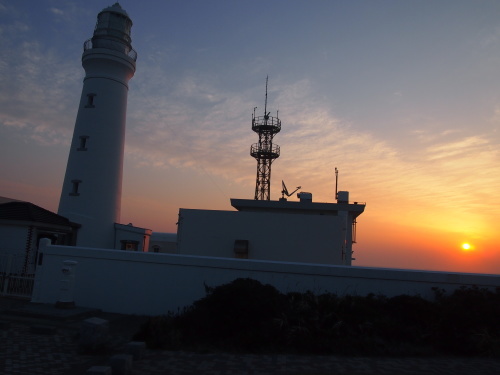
(302, 207)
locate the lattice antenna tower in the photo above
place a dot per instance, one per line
(265, 152)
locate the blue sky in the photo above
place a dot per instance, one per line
(402, 96)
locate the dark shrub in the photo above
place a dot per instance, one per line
(246, 315)
(238, 315)
(410, 319)
(469, 322)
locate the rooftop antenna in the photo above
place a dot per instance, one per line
(265, 103)
(284, 190)
(336, 182)
(265, 152)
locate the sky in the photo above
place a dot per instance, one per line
(403, 97)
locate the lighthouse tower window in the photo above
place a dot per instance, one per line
(90, 101)
(83, 143)
(76, 185)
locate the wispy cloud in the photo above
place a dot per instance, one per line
(467, 146)
(200, 125)
(39, 90)
(57, 11)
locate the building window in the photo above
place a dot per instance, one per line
(90, 101)
(83, 143)
(156, 249)
(241, 249)
(130, 245)
(76, 185)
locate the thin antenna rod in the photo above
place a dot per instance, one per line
(336, 182)
(265, 105)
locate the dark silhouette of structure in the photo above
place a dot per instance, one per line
(265, 152)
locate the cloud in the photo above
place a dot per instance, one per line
(495, 117)
(193, 126)
(203, 126)
(489, 37)
(57, 11)
(39, 90)
(467, 146)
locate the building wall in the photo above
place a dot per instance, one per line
(14, 256)
(13, 238)
(271, 236)
(19, 244)
(163, 243)
(153, 284)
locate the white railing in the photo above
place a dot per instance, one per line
(17, 273)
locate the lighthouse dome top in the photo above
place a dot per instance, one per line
(115, 8)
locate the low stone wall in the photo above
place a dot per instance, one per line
(153, 284)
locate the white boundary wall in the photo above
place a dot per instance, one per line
(153, 284)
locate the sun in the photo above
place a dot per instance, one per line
(467, 246)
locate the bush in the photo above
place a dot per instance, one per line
(238, 315)
(248, 316)
(469, 322)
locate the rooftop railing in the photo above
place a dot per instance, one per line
(265, 151)
(266, 124)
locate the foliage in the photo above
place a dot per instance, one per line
(469, 321)
(248, 316)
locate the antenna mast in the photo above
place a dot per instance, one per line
(336, 182)
(265, 103)
(265, 152)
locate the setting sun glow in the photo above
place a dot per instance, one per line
(466, 246)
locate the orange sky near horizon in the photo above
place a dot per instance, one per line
(437, 250)
(395, 231)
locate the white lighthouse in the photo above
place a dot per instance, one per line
(91, 192)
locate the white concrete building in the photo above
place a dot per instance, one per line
(304, 231)
(91, 192)
(22, 225)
